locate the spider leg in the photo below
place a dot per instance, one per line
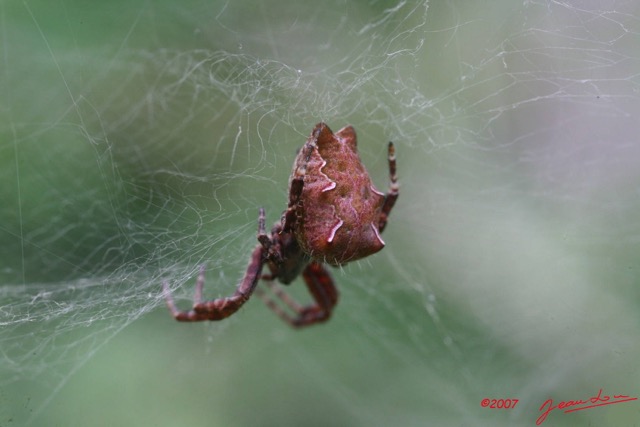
(221, 308)
(295, 189)
(321, 288)
(272, 248)
(391, 197)
(278, 291)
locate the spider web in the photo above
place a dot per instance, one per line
(138, 140)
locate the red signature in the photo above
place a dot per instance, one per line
(578, 405)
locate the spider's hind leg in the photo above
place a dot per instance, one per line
(322, 289)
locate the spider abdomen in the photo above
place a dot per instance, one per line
(339, 206)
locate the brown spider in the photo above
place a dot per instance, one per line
(335, 215)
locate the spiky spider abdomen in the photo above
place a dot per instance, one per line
(339, 211)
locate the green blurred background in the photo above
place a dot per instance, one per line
(138, 139)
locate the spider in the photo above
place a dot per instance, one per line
(335, 215)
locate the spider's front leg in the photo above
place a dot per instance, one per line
(391, 197)
(290, 216)
(221, 308)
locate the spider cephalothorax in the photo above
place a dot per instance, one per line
(335, 215)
